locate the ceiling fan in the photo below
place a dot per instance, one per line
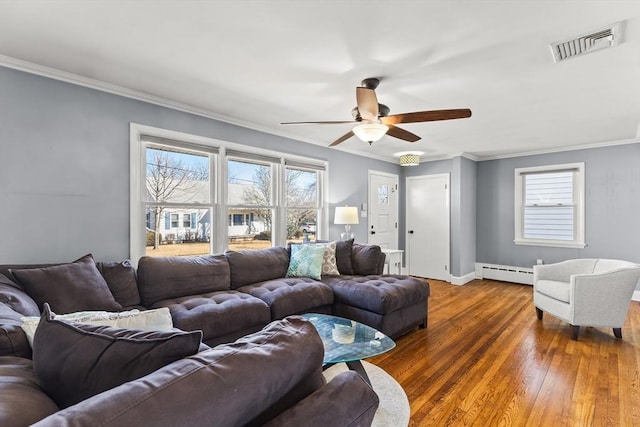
(374, 121)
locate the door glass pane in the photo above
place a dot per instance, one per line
(383, 195)
(181, 238)
(177, 177)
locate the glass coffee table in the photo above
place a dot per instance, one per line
(347, 341)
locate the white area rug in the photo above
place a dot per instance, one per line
(394, 410)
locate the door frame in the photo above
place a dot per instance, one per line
(447, 177)
(397, 207)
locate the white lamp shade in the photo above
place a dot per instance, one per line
(370, 132)
(346, 215)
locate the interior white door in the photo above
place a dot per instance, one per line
(427, 210)
(383, 210)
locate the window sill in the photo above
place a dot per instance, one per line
(551, 243)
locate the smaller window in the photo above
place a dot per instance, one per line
(549, 206)
(175, 220)
(186, 220)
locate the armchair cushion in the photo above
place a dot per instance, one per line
(554, 289)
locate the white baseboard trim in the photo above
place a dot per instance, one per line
(462, 280)
(636, 296)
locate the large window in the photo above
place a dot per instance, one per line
(250, 200)
(178, 202)
(302, 202)
(549, 209)
(192, 195)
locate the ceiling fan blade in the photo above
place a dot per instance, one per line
(399, 133)
(335, 122)
(367, 103)
(426, 116)
(342, 139)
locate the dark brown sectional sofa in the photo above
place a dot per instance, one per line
(243, 303)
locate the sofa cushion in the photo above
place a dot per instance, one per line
(121, 279)
(379, 294)
(344, 249)
(229, 385)
(554, 289)
(23, 402)
(217, 313)
(252, 266)
(161, 278)
(146, 320)
(74, 361)
(291, 295)
(365, 259)
(306, 261)
(68, 287)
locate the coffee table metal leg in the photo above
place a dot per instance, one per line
(355, 365)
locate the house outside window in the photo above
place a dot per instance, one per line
(549, 206)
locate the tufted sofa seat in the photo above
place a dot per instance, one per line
(222, 316)
(393, 304)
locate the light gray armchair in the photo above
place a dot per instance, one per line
(586, 292)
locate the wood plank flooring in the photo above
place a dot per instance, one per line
(485, 360)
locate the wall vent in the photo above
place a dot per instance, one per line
(580, 45)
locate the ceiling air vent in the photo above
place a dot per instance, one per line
(580, 45)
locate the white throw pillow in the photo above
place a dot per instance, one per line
(147, 320)
(329, 263)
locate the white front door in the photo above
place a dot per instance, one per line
(427, 210)
(382, 226)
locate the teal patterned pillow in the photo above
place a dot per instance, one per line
(306, 261)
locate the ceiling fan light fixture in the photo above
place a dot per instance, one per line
(409, 160)
(370, 132)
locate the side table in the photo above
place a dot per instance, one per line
(393, 261)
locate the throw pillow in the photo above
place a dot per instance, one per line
(306, 261)
(68, 287)
(147, 320)
(74, 361)
(121, 279)
(329, 263)
(343, 256)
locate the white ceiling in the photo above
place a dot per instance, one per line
(259, 63)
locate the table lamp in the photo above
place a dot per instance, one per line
(346, 215)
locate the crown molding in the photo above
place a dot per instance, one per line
(561, 149)
(65, 76)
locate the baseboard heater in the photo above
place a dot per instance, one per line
(505, 273)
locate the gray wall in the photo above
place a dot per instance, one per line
(612, 209)
(64, 167)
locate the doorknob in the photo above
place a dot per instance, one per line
(410, 231)
(373, 232)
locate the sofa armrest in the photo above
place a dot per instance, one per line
(13, 340)
(346, 398)
(14, 304)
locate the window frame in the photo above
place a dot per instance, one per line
(218, 170)
(578, 205)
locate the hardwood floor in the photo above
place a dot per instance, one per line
(486, 360)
